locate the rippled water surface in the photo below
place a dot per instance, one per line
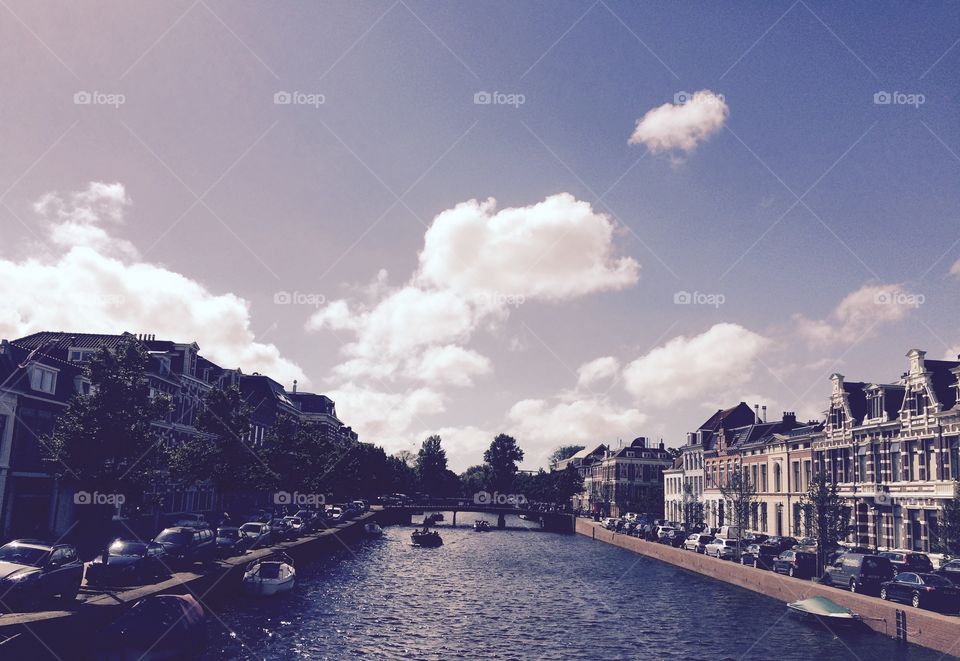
(520, 595)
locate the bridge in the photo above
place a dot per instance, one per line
(563, 522)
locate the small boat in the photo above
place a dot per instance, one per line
(372, 530)
(270, 575)
(481, 526)
(825, 608)
(426, 538)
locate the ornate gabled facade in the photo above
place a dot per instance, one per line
(625, 479)
(894, 451)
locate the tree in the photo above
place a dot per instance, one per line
(474, 480)
(501, 459)
(403, 478)
(948, 530)
(564, 452)
(741, 494)
(830, 517)
(431, 466)
(692, 508)
(106, 441)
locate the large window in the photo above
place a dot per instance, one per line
(895, 464)
(43, 379)
(776, 478)
(763, 479)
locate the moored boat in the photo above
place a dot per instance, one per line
(823, 607)
(427, 538)
(270, 575)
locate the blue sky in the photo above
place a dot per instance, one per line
(303, 198)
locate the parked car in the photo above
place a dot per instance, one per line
(859, 572)
(230, 541)
(609, 523)
(728, 532)
(697, 542)
(750, 555)
(296, 525)
(770, 550)
(950, 570)
(922, 590)
(676, 538)
(631, 516)
(185, 546)
(311, 520)
(755, 538)
(258, 535)
(187, 520)
(280, 530)
(806, 543)
(31, 571)
(909, 561)
(361, 505)
(798, 563)
(725, 549)
(335, 514)
(663, 531)
(128, 561)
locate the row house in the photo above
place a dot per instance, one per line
(40, 373)
(674, 497)
(894, 451)
(623, 480)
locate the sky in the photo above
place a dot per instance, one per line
(573, 222)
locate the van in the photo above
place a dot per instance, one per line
(859, 572)
(729, 532)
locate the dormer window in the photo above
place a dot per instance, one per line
(917, 402)
(876, 405)
(43, 379)
(80, 355)
(164, 366)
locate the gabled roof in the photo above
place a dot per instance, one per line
(736, 416)
(943, 381)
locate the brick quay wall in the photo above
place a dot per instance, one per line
(927, 628)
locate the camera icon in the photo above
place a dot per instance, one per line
(882, 98)
(282, 98)
(82, 498)
(882, 298)
(482, 98)
(482, 498)
(882, 499)
(82, 98)
(681, 98)
(682, 298)
(282, 298)
(282, 498)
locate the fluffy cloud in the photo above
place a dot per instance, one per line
(859, 314)
(556, 249)
(681, 127)
(382, 416)
(92, 287)
(477, 265)
(716, 361)
(597, 370)
(542, 426)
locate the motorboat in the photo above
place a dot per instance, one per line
(372, 530)
(822, 607)
(270, 575)
(426, 538)
(164, 626)
(481, 526)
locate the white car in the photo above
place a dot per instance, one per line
(725, 549)
(631, 516)
(609, 523)
(335, 514)
(663, 531)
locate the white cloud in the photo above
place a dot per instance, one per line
(597, 370)
(716, 361)
(449, 364)
(76, 220)
(955, 269)
(681, 127)
(89, 288)
(556, 249)
(541, 426)
(860, 314)
(382, 416)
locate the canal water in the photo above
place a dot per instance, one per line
(520, 595)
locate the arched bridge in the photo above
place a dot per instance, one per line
(544, 520)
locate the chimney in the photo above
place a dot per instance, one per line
(764, 412)
(661, 444)
(789, 419)
(756, 413)
(294, 386)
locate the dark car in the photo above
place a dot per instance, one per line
(922, 590)
(165, 626)
(859, 572)
(950, 571)
(127, 562)
(768, 551)
(31, 571)
(909, 561)
(185, 546)
(256, 535)
(676, 538)
(802, 564)
(750, 555)
(230, 541)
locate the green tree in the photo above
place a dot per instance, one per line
(431, 467)
(741, 494)
(106, 441)
(830, 517)
(564, 452)
(501, 459)
(948, 530)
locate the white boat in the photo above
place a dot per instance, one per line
(270, 575)
(822, 607)
(373, 530)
